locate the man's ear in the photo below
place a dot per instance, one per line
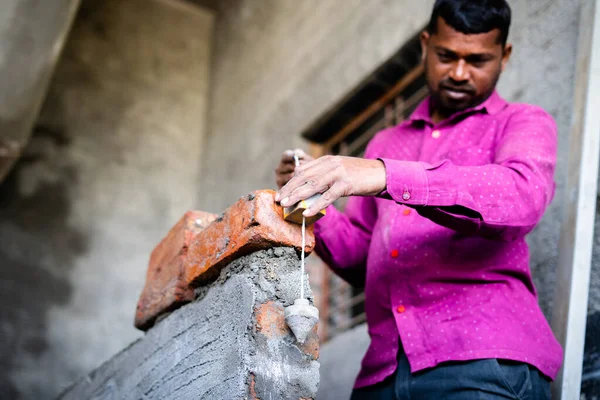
(424, 42)
(506, 55)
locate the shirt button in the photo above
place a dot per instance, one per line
(401, 309)
(436, 134)
(394, 253)
(406, 212)
(406, 196)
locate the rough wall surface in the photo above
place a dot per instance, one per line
(543, 33)
(32, 35)
(113, 163)
(197, 352)
(231, 343)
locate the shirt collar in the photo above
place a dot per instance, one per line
(493, 105)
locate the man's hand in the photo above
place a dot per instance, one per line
(285, 170)
(334, 177)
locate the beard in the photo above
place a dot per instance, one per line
(450, 97)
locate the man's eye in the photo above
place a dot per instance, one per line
(444, 57)
(478, 63)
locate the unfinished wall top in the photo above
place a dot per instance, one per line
(238, 272)
(198, 247)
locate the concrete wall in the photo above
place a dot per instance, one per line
(32, 35)
(230, 344)
(113, 163)
(542, 72)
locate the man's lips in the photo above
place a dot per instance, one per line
(456, 93)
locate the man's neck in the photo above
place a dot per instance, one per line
(438, 114)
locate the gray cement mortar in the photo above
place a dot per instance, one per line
(209, 348)
(199, 351)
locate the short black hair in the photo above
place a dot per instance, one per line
(473, 16)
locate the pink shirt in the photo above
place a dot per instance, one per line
(447, 265)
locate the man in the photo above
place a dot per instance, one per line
(439, 211)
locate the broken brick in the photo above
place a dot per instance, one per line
(252, 388)
(201, 244)
(254, 223)
(166, 288)
(270, 322)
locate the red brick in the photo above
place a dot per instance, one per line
(252, 388)
(270, 322)
(166, 288)
(254, 223)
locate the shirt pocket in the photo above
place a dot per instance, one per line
(515, 376)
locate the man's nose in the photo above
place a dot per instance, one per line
(459, 71)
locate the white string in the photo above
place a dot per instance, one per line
(302, 258)
(297, 162)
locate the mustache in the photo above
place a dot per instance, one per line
(465, 87)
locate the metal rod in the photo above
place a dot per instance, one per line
(569, 315)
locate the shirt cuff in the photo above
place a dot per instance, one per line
(406, 182)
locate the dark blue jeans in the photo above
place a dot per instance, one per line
(468, 380)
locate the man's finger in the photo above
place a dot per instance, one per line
(297, 189)
(326, 199)
(302, 187)
(313, 173)
(287, 156)
(282, 179)
(301, 154)
(285, 168)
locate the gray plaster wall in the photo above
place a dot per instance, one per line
(32, 35)
(209, 349)
(542, 72)
(113, 163)
(195, 353)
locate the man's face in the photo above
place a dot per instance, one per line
(462, 70)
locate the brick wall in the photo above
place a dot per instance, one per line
(213, 308)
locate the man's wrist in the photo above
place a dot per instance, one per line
(382, 177)
(377, 178)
